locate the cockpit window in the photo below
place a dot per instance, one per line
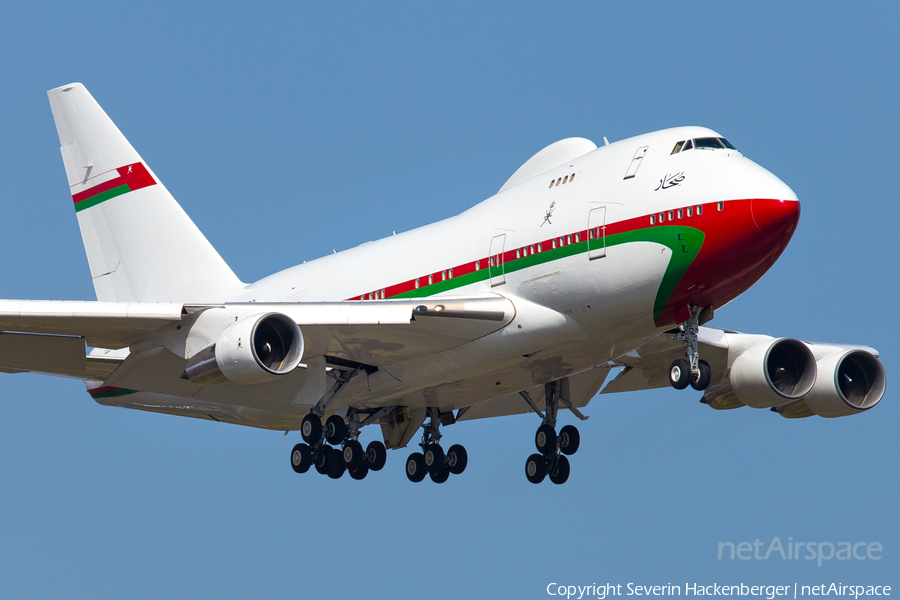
(708, 143)
(711, 143)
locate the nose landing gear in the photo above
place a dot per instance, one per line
(693, 371)
(553, 448)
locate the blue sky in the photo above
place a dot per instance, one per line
(288, 130)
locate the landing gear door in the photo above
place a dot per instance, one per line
(597, 233)
(495, 260)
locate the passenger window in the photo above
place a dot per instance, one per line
(690, 211)
(565, 179)
(417, 283)
(662, 217)
(653, 219)
(671, 216)
(572, 178)
(477, 266)
(680, 214)
(699, 210)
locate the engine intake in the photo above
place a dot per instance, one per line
(773, 373)
(253, 350)
(850, 382)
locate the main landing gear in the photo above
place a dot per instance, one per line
(334, 447)
(342, 453)
(693, 371)
(433, 461)
(553, 449)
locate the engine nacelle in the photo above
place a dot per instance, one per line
(253, 350)
(773, 373)
(849, 382)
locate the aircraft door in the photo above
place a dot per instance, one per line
(495, 260)
(597, 233)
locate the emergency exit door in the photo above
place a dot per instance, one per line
(597, 233)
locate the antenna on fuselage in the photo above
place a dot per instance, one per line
(605, 141)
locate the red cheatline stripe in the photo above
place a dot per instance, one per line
(699, 220)
(135, 176)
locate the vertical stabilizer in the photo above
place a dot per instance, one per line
(141, 245)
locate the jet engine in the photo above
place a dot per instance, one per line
(849, 382)
(253, 350)
(773, 373)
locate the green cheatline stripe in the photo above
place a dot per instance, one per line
(114, 393)
(684, 242)
(102, 197)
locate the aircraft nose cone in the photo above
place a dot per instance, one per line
(775, 209)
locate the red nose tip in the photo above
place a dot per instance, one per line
(775, 218)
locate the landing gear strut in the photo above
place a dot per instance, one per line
(433, 461)
(345, 452)
(553, 448)
(693, 371)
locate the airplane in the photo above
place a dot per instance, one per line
(587, 259)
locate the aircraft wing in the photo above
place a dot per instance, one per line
(50, 336)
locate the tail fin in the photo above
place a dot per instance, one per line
(141, 245)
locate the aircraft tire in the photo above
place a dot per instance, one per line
(441, 475)
(376, 455)
(335, 430)
(337, 467)
(301, 458)
(360, 472)
(311, 429)
(325, 460)
(415, 467)
(545, 440)
(536, 468)
(434, 458)
(559, 472)
(705, 377)
(569, 440)
(680, 374)
(458, 459)
(353, 455)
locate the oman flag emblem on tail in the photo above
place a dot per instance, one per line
(111, 184)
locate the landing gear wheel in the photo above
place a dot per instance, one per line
(559, 471)
(569, 440)
(545, 440)
(536, 468)
(441, 476)
(680, 374)
(335, 430)
(376, 456)
(457, 459)
(301, 458)
(337, 468)
(311, 429)
(325, 460)
(705, 377)
(360, 472)
(353, 455)
(415, 467)
(434, 458)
